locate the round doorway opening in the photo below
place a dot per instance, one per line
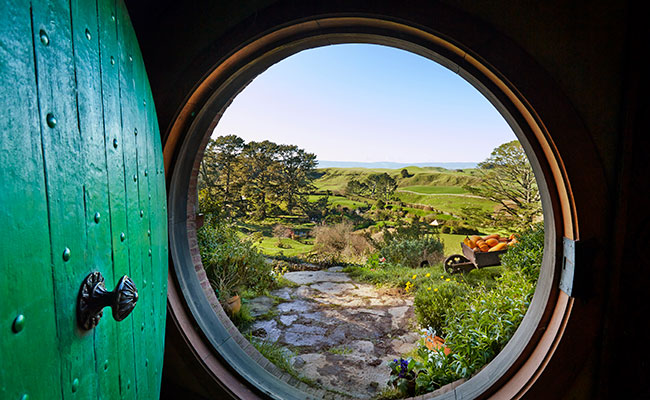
(272, 239)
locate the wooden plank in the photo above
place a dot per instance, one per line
(116, 182)
(91, 125)
(64, 166)
(160, 255)
(25, 267)
(144, 148)
(133, 210)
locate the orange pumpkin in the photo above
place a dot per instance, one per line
(499, 246)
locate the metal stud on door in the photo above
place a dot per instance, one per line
(81, 195)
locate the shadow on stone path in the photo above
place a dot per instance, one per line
(342, 334)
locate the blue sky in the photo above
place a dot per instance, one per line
(368, 103)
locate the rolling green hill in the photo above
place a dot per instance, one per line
(437, 187)
(336, 179)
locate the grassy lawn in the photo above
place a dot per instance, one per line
(434, 189)
(396, 276)
(334, 201)
(451, 204)
(336, 179)
(269, 247)
(452, 243)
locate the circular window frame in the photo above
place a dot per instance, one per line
(192, 303)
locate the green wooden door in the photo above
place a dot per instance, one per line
(81, 190)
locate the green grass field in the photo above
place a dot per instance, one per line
(336, 179)
(448, 203)
(291, 248)
(434, 189)
(334, 201)
(452, 243)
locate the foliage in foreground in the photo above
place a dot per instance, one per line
(231, 263)
(477, 325)
(526, 256)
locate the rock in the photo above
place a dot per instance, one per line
(296, 306)
(287, 320)
(304, 292)
(260, 305)
(329, 310)
(283, 293)
(266, 330)
(298, 362)
(332, 288)
(363, 346)
(309, 277)
(374, 362)
(399, 315)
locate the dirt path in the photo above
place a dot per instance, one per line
(342, 333)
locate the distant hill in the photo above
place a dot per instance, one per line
(393, 165)
(336, 179)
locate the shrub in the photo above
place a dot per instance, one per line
(340, 242)
(526, 255)
(414, 252)
(282, 231)
(459, 228)
(230, 262)
(431, 305)
(476, 330)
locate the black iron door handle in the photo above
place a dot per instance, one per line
(93, 297)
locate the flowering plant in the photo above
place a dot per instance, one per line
(403, 373)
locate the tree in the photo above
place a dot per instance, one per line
(296, 168)
(218, 180)
(381, 186)
(357, 188)
(507, 178)
(259, 168)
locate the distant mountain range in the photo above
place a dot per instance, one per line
(393, 165)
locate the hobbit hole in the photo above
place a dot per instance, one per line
(349, 280)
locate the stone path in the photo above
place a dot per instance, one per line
(342, 334)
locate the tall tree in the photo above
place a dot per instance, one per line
(259, 169)
(507, 178)
(295, 174)
(357, 188)
(218, 174)
(381, 186)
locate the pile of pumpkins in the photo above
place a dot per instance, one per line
(489, 243)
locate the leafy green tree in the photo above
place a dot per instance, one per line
(259, 169)
(219, 183)
(358, 188)
(507, 178)
(381, 186)
(295, 175)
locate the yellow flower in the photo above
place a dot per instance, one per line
(427, 275)
(442, 276)
(414, 276)
(429, 288)
(447, 280)
(435, 290)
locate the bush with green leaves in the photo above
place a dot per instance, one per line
(413, 253)
(526, 255)
(431, 304)
(476, 330)
(231, 263)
